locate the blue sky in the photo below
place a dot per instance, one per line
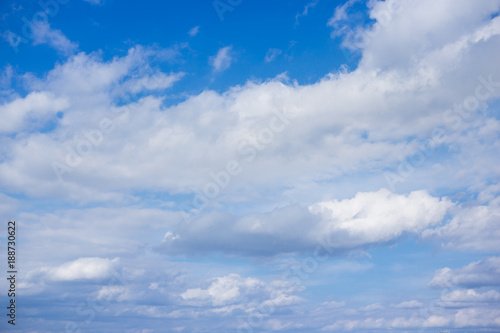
(246, 166)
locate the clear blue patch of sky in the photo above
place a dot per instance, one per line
(252, 28)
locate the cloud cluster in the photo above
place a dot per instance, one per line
(333, 132)
(368, 218)
(311, 157)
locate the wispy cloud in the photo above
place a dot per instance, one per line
(194, 31)
(223, 59)
(305, 12)
(44, 34)
(272, 54)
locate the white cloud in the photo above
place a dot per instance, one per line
(372, 307)
(83, 269)
(297, 181)
(305, 12)
(6, 76)
(44, 34)
(243, 292)
(473, 227)
(194, 31)
(436, 321)
(333, 131)
(225, 290)
(94, 2)
(477, 317)
(278, 325)
(30, 111)
(8, 206)
(223, 59)
(118, 293)
(378, 216)
(272, 54)
(368, 218)
(396, 38)
(109, 232)
(413, 304)
(484, 272)
(333, 304)
(349, 325)
(156, 81)
(340, 13)
(467, 297)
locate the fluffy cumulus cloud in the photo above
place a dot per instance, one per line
(380, 216)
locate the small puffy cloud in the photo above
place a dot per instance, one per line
(222, 60)
(194, 31)
(233, 291)
(225, 290)
(413, 304)
(484, 272)
(94, 2)
(372, 307)
(83, 269)
(272, 54)
(44, 34)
